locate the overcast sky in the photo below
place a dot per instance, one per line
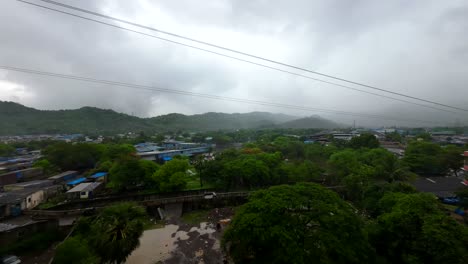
(419, 48)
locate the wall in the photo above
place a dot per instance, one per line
(13, 235)
(34, 199)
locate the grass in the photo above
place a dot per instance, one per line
(195, 217)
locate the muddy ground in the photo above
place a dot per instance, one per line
(203, 244)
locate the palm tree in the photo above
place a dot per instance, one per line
(117, 231)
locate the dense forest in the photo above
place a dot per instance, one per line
(17, 119)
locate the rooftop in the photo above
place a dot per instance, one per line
(58, 176)
(16, 196)
(85, 187)
(77, 181)
(98, 175)
(31, 184)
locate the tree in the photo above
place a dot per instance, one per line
(413, 230)
(424, 158)
(74, 250)
(364, 141)
(342, 164)
(386, 165)
(171, 175)
(46, 166)
(296, 224)
(79, 156)
(116, 232)
(126, 173)
(452, 158)
(394, 136)
(6, 150)
(149, 168)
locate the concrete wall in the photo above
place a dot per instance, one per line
(13, 235)
(34, 199)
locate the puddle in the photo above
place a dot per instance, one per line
(167, 244)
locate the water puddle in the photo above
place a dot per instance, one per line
(168, 243)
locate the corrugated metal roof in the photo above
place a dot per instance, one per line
(98, 175)
(77, 181)
(85, 187)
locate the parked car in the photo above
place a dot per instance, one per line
(451, 200)
(10, 260)
(209, 195)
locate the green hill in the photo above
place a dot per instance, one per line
(16, 119)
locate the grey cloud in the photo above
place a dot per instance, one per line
(416, 47)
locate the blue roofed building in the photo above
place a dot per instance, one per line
(75, 182)
(99, 176)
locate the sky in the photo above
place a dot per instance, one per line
(418, 48)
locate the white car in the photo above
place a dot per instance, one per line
(209, 195)
(10, 260)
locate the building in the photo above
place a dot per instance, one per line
(147, 147)
(178, 145)
(75, 182)
(14, 202)
(345, 136)
(166, 155)
(84, 190)
(24, 175)
(63, 177)
(28, 185)
(99, 176)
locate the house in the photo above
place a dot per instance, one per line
(14, 202)
(99, 176)
(75, 182)
(28, 185)
(84, 190)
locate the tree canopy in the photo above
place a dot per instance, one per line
(297, 224)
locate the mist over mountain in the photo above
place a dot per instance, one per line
(18, 119)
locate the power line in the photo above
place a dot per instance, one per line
(233, 51)
(209, 96)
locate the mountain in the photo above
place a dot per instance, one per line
(310, 122)
(16, 119)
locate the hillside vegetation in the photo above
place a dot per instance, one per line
(17, 119)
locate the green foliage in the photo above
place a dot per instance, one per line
(6, 150)
(126, 173)
(424, 158)
(74, 251)
(172, 175)
(452, 158)
(73, 156)
(111, 236)
(296, 224)
(118, 229)
(46, 166)
(342, 164)
(32, 243)
(17, 119)
(394, 136)
(414, 230)
(364, 141)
